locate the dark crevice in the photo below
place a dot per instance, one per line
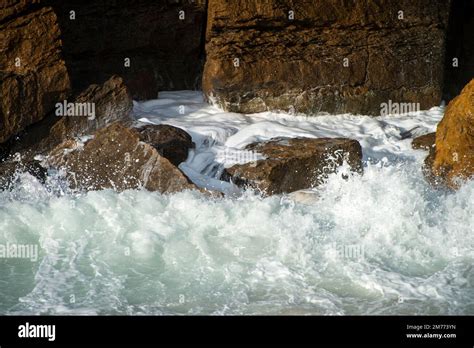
(202, 47)
(460, 45)
(165, 53)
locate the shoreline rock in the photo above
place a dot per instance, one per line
(293, 164)
(453, 159)
(171, 142)
(117, 158)
(328, 56)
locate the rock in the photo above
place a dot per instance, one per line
(294, 164)
(454, 155)
(112, 102)
(424, 142)
(334, 56)
(171, 142)
(163, 45)
(14, 8)
(117, 158)
(33, 76)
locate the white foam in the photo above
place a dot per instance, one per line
(383, 242)
(216, 132)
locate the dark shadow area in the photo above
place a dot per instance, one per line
(460, 45)
(153, 45)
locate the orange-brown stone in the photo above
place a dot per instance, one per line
(454, 156)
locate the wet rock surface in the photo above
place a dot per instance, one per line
(171, 142)
(293, 164)
(424, 142)
(117, 158)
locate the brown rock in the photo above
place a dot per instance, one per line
(112, 103)
(117, 158)
(258, 58)
(454, 155)
(424, 142)
(294, 164)
(171, 142)
(33, 77)
(13, 8)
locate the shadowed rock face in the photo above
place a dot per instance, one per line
(294, 164)
(171, 142)
(117, 158)
(258, 58)
(165, 51)
(454, 155)
(33, 76)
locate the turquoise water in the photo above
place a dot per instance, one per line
(381, 243)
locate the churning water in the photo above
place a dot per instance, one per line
(383, 242)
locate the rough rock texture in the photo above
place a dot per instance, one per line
(424, 142)
(13, 8)
(171, 142)
(298, 64)
(117, 158)
(33, 75)
(454, 155)
(165, 52)
(112, 103)
(294, 164)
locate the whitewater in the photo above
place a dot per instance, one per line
(384, 242)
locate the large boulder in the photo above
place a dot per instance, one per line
(332, 56)
(154, 45)
(453, 158)
(293, 164)
(117, 158)
(33, 76)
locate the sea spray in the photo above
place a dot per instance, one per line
(384, 242)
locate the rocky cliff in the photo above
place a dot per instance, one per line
(324, 56)
(33, 75)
